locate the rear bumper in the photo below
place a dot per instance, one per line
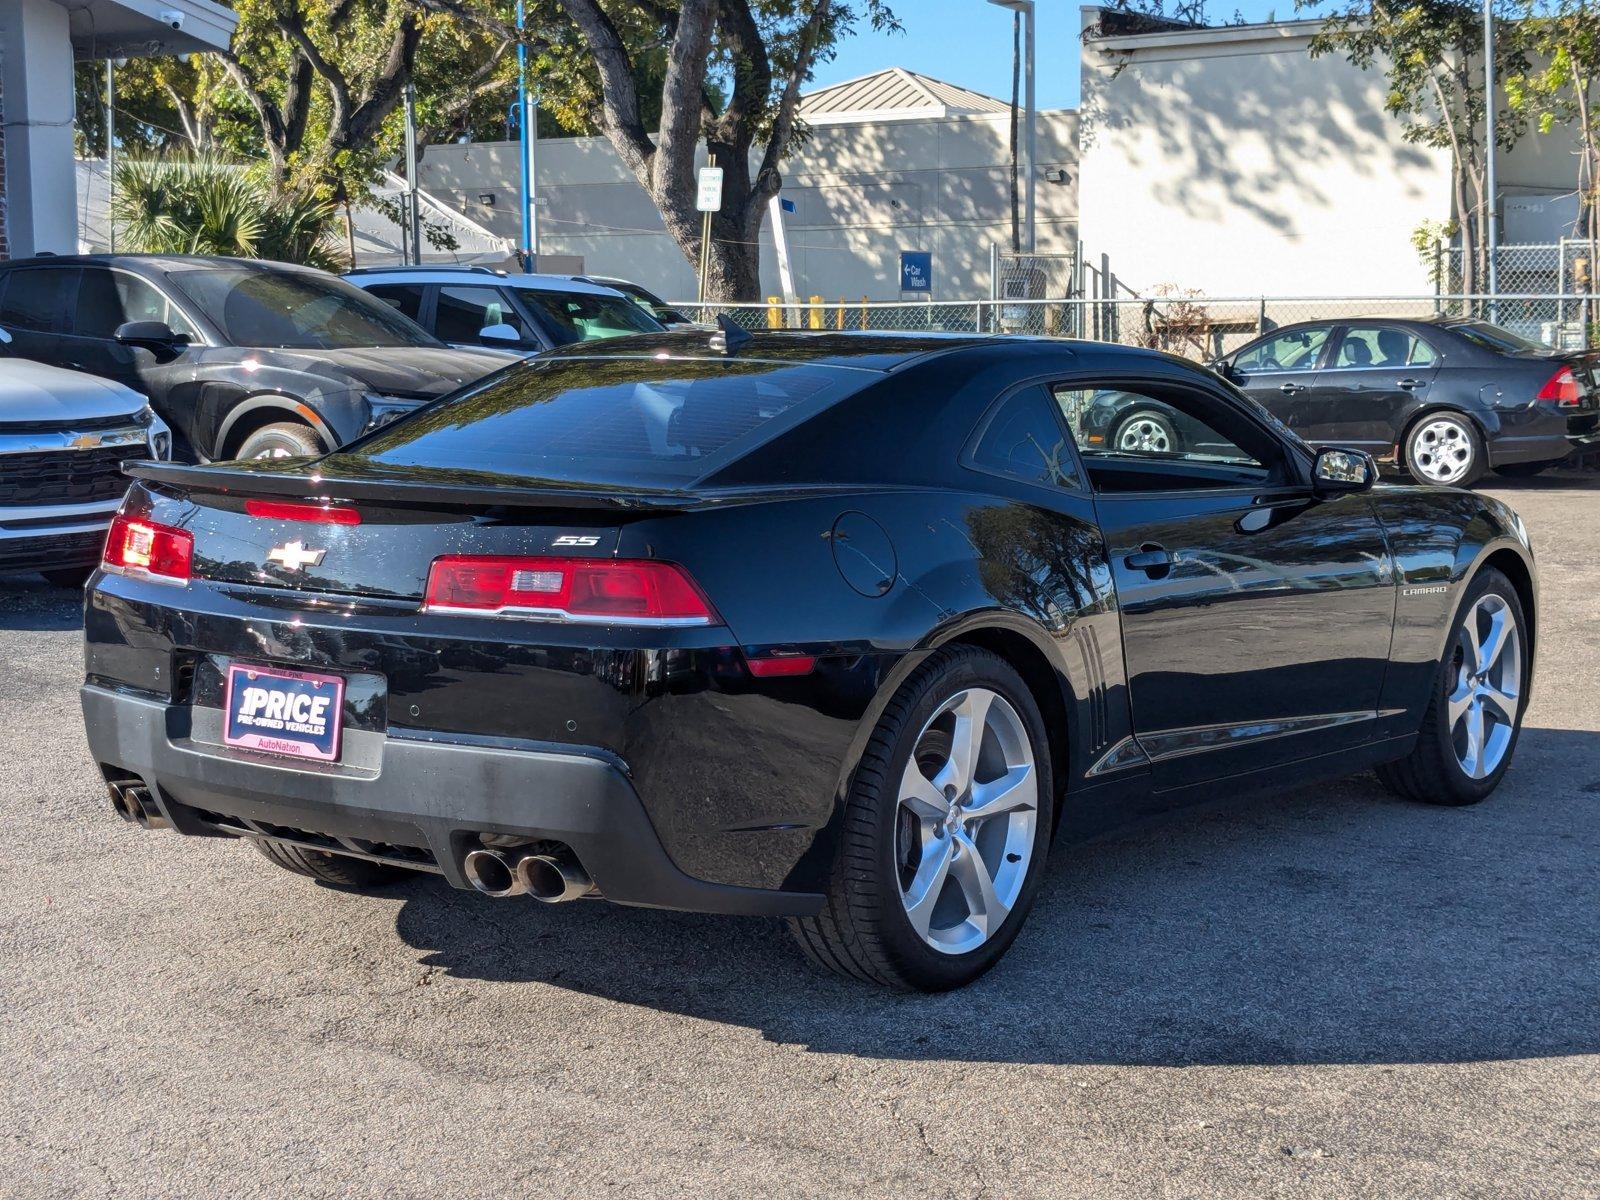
(432, 798)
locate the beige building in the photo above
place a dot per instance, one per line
(1228, 160)
(895, 161)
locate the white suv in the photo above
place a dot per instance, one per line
(63, 438)
(477, 306)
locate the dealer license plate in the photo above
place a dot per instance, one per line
(275, 711)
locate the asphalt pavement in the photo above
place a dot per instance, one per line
(1327, 992)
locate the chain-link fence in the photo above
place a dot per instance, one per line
(1198, 327)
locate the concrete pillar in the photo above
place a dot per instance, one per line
(40, 183)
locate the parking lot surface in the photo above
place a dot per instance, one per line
(1328, 992)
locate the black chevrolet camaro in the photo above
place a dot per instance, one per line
(838, 628)
(1445, 400)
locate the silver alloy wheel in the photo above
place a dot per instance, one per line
(969, 804)
(274, 452)
(1145, 433)
(1487, 689)
(1442, 450)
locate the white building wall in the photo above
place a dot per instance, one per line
(1230, 162)
(863, 192)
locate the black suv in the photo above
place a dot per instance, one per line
(242, 358)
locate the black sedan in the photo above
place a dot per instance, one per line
(242, 358)
(838, 628)
(1446, 399)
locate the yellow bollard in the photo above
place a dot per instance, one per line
(774, 313)
(816, 312)
(863, 312)
(839, 323)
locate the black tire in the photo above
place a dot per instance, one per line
(1165, 431)
(1431, 773)
(72, 578)
(337, 869)
(1523, 470)
(1417, 449)
(863, 931)
(285, 439)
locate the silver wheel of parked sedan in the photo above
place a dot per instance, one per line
(1443, 449)
(1146, 433)
(969, 803)
(1488, 686)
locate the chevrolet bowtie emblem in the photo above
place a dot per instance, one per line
(293, 556)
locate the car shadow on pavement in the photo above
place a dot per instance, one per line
(28, 603)
(1328, 925)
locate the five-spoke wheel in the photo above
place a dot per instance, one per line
(1146, 433)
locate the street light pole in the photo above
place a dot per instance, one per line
(1030, 138)
(111, 154)
(530, 132)
(1491, 233)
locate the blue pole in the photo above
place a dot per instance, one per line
(522, 107)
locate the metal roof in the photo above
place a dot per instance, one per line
(895, 92)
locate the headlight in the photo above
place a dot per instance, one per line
(384, 409)
(160, 437)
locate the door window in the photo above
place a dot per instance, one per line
(1294, 350)
(405, 298)
(107, 299)
(464, 312)
(1383, 346)
(36, 299)
(1024, 440)
(1160, 438)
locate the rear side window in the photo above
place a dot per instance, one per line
(36, 299)
(1024, 440)
(404, 298)
(1383, 346)
(644, 422)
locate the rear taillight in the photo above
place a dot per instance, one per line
(148, 549)
(315, 514)
(596, 590)
(1562, 388)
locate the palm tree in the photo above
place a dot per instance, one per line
(201, 204)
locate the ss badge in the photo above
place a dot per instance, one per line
(572, 539)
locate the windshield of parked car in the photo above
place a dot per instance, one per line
(295, 310)
(634, 421)
(1492, 337)
(589, 316)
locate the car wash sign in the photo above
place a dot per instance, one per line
(916, 270)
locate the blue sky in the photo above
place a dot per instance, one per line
(968, 42)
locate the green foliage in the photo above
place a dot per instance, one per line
(200, 204)
(1558, 91)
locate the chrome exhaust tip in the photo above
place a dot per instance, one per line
(553, 878)
(143, 806)
(120, 804)
(489, 872)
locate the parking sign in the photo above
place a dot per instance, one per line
(709, 198)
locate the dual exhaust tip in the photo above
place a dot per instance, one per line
(548, 878)
(131, 800)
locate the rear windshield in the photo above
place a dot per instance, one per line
(632, 421)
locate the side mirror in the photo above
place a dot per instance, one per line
(1338, 471)
(1220, 365)
(502, 333)
(151, 335)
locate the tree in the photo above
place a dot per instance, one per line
(725, 73)
(1560, 88)
(183, 204)
(1431, 53)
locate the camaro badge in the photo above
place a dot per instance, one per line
(293, 556)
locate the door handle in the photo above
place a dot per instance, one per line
(1412, 385)
(1289, 389)
(1154, 560)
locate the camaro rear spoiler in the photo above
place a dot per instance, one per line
(256, 481)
